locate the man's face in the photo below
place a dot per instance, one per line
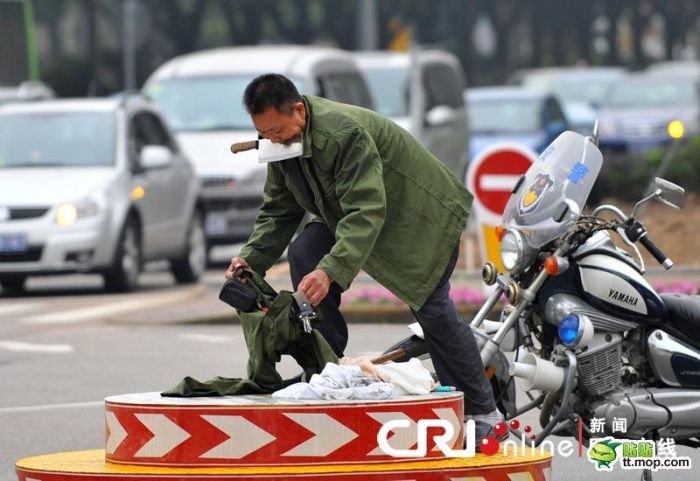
(281, 127)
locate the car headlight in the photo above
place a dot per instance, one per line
(575, 330)
(512, 249)
(70, 212)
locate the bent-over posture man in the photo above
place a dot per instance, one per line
(381, 203)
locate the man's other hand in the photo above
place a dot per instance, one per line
(234, 269)
(315, 286)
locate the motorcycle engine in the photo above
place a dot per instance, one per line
(600, 362)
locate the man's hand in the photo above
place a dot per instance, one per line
(234, 269)
(315, 286)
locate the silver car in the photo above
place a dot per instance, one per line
(639, 107)
(95, 185)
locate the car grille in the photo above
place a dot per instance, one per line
(33, 254)
(218, 182)
(643, 130)
(238, 203)
(20, 213)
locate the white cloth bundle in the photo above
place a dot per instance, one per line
(359, 379)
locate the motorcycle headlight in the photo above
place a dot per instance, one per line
(512, 249)
(70, 212)
(575, 330)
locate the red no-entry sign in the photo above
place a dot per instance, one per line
(493, 173)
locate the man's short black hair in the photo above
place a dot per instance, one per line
(270, 90)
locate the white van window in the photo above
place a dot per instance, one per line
(443, 87)
(389, 86)
(346, 87)
(205, 103)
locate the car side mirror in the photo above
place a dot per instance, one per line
(155, 156)
(439, 115)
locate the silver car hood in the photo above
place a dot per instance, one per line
(49, 186)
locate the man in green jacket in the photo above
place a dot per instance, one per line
(381, 203)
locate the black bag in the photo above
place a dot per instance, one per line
(239, 296)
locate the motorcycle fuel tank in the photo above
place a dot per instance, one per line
(615, 287)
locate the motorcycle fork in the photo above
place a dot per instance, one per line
(526, 297)
(491, 346)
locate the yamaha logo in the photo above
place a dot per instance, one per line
(4, 213)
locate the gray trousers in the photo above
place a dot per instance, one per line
(452, 347)
(450, 340)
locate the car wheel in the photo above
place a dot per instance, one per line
(191, 266)
(126, 267)
(13, 286)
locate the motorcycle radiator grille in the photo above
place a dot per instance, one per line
(599, 371)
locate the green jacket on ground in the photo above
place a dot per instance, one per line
(396, 210)
(270, 332)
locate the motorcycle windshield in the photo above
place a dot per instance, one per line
(554, 190)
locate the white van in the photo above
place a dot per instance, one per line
(422, 90)
(201, 96)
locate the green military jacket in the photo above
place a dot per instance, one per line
(396, 210)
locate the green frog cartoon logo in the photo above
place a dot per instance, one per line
(603, 454)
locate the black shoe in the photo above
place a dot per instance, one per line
(483, 429)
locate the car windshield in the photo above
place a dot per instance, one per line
(389, 88)
(205, 103)
(576, 87)
(57, 139)
(654, 92)
(504, 116)
(584, 88)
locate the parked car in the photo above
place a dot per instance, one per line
(95, 185)
(639, 107)
(530, 118)
(421, 90)
(580, 90)
(201, 96)
(26, 91)
(690, 68)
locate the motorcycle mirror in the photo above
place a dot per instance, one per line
(566, 210)
(517, 185)
(669, 193)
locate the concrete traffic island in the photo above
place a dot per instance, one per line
(149, 437)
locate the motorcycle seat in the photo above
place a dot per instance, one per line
(683, 311)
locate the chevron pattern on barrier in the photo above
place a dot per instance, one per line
(148, 437)
(147, 429)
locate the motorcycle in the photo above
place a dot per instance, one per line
(589, 337)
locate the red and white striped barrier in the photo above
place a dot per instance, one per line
(149, 437)
(147, 429)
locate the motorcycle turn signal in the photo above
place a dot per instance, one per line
(555, 265)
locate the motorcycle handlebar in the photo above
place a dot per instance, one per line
(635, 231)
(656, 252)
